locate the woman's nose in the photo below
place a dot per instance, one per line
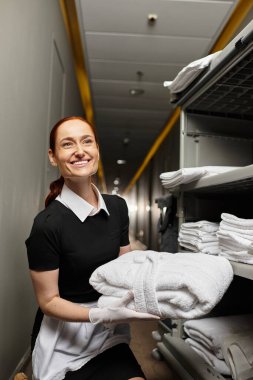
(79, 149)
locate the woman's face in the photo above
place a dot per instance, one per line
(76, 151)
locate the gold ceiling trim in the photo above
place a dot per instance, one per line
(238, 15)
(69, 14)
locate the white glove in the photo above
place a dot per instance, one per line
(118, 312)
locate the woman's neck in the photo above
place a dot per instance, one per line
(84, 190)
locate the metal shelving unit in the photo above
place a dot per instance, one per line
(188, 364)
(215, 129)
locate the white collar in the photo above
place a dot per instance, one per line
(78, 205)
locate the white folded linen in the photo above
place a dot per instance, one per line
(208, 249)
(199, 235)
(237, 222)
(240, 231)
(193, 239)
(210, 332)
(189, 73)
(239, 257)
(201, 225)
(209, 357)
(186, 175)
(231, 241)
(198, 246)
(180, 285)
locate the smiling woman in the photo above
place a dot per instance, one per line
(73, 145)
(79, 230)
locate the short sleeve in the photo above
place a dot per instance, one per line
(43, 245)
(124, 237)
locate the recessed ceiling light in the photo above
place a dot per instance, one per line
(121, 162)
(116, 181)
(136, 91)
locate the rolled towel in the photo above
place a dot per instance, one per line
(180, 285)
(209, 357)
(210, 332)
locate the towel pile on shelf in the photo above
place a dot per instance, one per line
(199, 237)
(235, 237)
(179, 285)
(212, 338)
(187, 75)
(172, 180)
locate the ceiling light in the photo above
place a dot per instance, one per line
(136, 91)
(116, 181)
(121, 162)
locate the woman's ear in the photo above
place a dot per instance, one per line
(51, 158)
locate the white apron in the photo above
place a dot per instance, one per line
(66, 346)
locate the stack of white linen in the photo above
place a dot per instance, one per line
(199, 237)
(173, 179)
(235, 237)
(179, 285)
(206, 337)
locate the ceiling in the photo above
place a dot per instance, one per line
(123, 52)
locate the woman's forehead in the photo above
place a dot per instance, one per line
(74, 128)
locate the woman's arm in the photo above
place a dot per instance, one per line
(46, 289)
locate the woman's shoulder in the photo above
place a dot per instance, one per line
(51, 215)
(114, 201)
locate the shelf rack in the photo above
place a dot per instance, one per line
(185, 361)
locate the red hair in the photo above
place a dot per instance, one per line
(57, 185)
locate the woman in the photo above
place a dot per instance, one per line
(78, 231)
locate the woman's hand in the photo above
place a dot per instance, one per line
(118, 312)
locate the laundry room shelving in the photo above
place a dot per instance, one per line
(216, 129)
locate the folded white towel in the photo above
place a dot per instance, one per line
(200, 235)
(210, 332)
(180, 285)
(237, 222)
(198, 246)
(248, 233)
(210, 249)
(186, 175)
(239, 257)
(207, 239)
(201, 225)
(209, 357)
(230, 240)
(189, 73)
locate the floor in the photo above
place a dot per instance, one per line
(142, 345)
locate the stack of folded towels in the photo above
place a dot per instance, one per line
(199, 237)
(210, 338)
(235, 237)
(171, 180)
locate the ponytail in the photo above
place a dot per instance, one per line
(55, 190)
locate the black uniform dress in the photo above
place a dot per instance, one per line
(59, 240)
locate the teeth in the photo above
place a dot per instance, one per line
(80, 162)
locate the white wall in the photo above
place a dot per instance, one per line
(37, 86)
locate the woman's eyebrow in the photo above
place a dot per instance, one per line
(73, 139)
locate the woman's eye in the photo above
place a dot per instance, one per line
(87, 141)
(66, 144)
